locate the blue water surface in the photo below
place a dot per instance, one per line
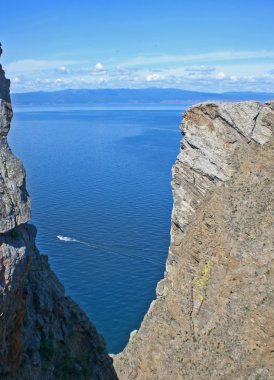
(102, 177)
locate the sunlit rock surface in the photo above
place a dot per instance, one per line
(213, 316)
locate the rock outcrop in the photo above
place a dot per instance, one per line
(44, 335)
(213, 316)
(14, 199)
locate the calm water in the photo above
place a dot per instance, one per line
(102, 177)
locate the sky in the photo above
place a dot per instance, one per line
(201, 45)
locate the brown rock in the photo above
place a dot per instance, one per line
(213, 316)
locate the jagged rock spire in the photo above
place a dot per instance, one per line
(5, 107)
(14, 198)
(4, 95)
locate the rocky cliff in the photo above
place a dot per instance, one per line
(43, 334)
(213, 316)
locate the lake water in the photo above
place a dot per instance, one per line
(102, 177)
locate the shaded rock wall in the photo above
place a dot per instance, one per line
(213, 316)
(14, 198)
(43, 334)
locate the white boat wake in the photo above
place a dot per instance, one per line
(72, 240)
(68, 239)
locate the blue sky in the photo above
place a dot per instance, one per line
(200, 45)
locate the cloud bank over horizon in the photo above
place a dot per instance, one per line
(214, 72)
(202, 46)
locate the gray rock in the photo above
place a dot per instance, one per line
(213, 133)
(14, 198)
(44, 335)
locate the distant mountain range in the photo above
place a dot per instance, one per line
(123, 96)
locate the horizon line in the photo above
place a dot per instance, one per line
(141, 89)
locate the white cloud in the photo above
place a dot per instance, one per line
(62, 70)
(220, 75)
(234, 78)
(155, 77)
(16, 80)
(245, 75)
(217, 82)
(99, 67)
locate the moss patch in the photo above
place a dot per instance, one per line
(202, 281)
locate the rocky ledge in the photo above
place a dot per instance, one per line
(44, 335)
(213, 316)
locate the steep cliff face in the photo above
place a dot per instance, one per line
(14, 199)
(213, 316)
(43, 333)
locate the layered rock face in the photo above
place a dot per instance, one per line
(43, 334)
(213, 316)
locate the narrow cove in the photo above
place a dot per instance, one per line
(101, 178)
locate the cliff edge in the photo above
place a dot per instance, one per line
(213, 316)
(43, 334)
